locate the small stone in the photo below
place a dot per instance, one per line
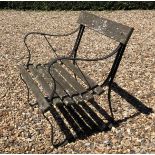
(135, 76)
(132, 152)
(87, 144)
(113, 129)
(128, 130)
(107, 142)
(11, 128)
(114, 141)
(29, 140)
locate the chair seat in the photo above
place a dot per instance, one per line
(68, 89)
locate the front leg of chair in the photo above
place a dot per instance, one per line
(55, 145)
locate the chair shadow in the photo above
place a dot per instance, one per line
(131, 99)
(81, 121)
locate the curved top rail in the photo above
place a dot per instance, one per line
(109, 28)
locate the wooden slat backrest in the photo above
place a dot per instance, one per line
(111, 29)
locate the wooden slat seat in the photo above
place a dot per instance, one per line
(43, 104)
(89, 82)
(73, 82)
(68, 90)
(59, 90)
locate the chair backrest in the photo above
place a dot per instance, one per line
(111, 29)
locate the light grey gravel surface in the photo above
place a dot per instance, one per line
(23, 130)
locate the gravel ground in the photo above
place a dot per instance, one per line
(24, 130)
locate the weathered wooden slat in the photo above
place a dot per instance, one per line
(59, 91)
(89, 82)
(112, 29)
(44, 84)
(71, 92)
(43, 104)
(49, 79)
(70, 80)
(42, 81)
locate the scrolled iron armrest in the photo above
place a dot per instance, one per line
(44, 34)
(84, 59)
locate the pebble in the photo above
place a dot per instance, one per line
(107, 142)
(87, 144)
(113, 129)
(134, 75)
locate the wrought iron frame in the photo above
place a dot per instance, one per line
(73, 56)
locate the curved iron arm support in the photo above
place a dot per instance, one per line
(52, 133)
(112, 74)
(44, 34)
(119, 50)
(115, 66)
(83, 59)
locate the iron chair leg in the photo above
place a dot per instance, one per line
(108, 82)
(55, 145)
